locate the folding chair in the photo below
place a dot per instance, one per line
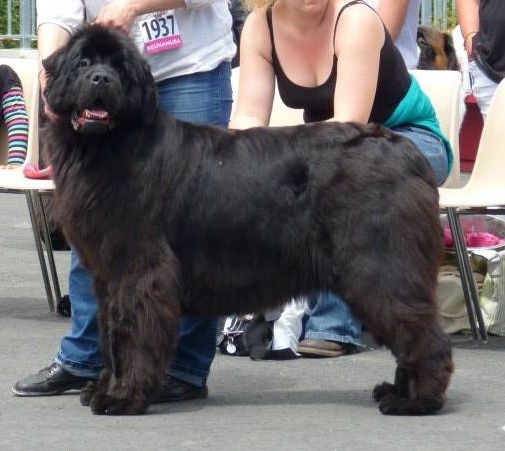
(443, 89)
(483, 194)
(13, 180)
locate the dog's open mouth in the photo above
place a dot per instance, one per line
(92, 120)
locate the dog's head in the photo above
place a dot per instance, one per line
(436, 50)
(99, 81)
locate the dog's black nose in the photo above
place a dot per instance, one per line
(99, 78)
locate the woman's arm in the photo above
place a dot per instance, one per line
(257, 81)
(468, 18)
(358, 42)
(393, 13)
(50, 37)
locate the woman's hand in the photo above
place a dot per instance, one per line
(119, 14)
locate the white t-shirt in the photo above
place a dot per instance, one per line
(204, 27)
(407, 39)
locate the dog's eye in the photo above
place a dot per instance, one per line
(85, 62)
(421, 42)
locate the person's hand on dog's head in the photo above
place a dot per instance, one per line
(118, 14)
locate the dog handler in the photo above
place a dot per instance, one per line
(189, 46)
(336, 60)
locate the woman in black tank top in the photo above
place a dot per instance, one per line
(334, 30)
(335, 60)
(317, 102)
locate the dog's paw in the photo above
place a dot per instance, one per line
(87, 393)
(382, 390)
(395, 405)
(107, 405)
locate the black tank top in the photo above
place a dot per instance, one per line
(392, 84)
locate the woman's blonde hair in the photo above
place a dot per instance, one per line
(251, 4)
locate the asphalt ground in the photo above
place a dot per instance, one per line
(303, 404)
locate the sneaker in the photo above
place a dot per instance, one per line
(321, 348)
(53, 380)
(174, 390)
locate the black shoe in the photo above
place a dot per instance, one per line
(174, 390)
(53, 380)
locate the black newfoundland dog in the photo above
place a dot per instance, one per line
(171, 217)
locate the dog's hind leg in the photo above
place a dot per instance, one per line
(423, 354)
(399, 309)
(425, 365)
(142, 324)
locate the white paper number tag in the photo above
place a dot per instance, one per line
(159, 32)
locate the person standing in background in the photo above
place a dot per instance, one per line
(401, 18)
(482, 25)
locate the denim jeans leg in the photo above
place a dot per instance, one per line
(79, 350)
(432, 148)
(330, 319)
(195, 351)
(204, 98)
(201, 98)
(483, 88)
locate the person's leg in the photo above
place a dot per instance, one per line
(482, 88)
(79, 350)
(16, 121)
(330, 329)
(79, 358)
(431, 146)
(203, 98)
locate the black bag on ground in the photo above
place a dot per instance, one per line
(247, 335)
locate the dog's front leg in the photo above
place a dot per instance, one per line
(141, 329)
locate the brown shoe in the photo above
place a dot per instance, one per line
(321, 348)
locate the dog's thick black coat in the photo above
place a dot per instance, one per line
(171, 217)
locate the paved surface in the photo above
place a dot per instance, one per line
(291, 405)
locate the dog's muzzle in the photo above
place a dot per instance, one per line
(92, 121)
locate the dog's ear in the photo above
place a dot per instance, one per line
(452, 61)
(150, 94)
(56, 82)
(145, 97)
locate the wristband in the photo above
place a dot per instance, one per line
(469, 34)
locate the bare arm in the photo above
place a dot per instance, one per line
(257, 81)
(393, 13)
(50, 38)
(358, 64)
(468, 18)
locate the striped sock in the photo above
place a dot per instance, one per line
(16, 120)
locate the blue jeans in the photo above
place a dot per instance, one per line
(431, 146)
(329, 317)
(203, 98)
